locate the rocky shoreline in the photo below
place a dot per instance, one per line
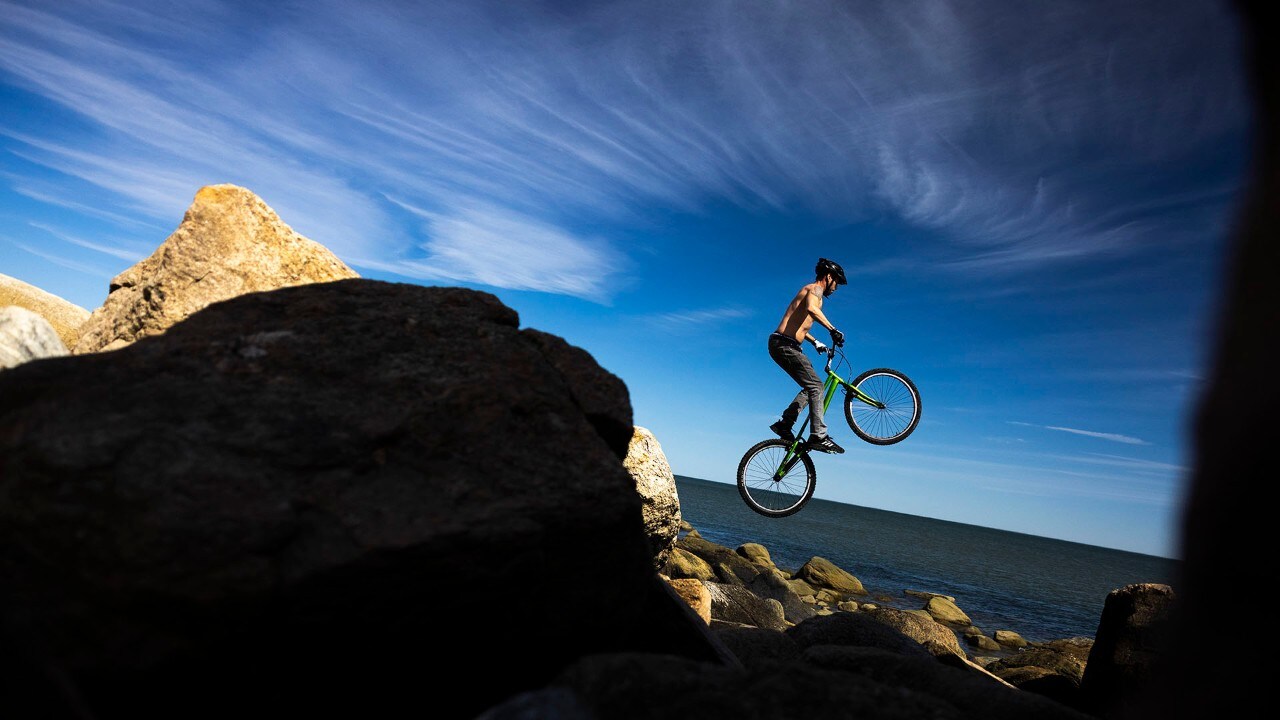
(742, 589)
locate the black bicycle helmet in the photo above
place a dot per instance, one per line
(830, 266)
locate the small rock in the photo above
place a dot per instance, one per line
(1009, 638)
(683, 564)
(824, 573)
(694, 594)
(756, 554)
(945, 611)
(982, 642)
(848, 606)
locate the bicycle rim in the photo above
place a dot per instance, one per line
(900, 414)
(765, 489)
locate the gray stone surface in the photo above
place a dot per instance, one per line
(935, 637)
(720, 557)
(26, 336)
(858, 629)
(736, 604)
(771, 584)
(660, 503)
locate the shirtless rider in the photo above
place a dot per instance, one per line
(785, 349)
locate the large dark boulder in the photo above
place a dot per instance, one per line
(301, 497)
(1133, 637)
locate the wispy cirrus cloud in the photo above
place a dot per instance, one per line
(689, 320)
(495, 246)
(1113, 437)
(577, 116)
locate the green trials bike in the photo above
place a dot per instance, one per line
(777, 477)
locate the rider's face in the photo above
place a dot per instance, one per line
(829, 286)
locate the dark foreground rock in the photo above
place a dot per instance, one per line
(289, 502)
(822, 682)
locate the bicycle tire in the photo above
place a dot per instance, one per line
(894, 422)
(769, 497)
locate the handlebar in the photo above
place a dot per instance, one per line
(831, 355)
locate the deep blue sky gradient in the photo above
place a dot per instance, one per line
(1032, 201)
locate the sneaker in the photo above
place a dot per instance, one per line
(783, 430)
(824, 444)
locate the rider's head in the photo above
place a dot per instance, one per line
(830, 274)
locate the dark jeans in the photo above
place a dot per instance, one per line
(790, 357)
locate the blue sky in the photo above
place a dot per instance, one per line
(1031, 200)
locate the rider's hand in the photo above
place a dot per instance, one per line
(817, 344)
(837, 338)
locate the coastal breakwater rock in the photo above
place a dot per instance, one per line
(25, 336)
(65, 317)
(229, 243)
(656, 485)
(251, 510)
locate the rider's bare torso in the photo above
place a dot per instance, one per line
(800, 314)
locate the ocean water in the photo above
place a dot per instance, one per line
(1042, 588)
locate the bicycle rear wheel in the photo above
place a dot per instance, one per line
(768, 487)
(900, 412)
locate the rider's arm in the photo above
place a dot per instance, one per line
(814, 308)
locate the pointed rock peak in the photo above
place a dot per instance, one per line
(229, 243)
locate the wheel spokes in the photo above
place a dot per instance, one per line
(899, 409)
(767, 488)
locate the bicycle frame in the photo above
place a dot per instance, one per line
(829, 386)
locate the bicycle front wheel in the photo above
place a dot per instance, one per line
(774, 481)
(896, 410)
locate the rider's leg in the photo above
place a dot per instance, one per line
(790, 357)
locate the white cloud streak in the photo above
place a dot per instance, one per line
(691, 320)
(1114, 437)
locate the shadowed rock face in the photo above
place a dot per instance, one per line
(307, 493)
(1133, 636)
(229, 243)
